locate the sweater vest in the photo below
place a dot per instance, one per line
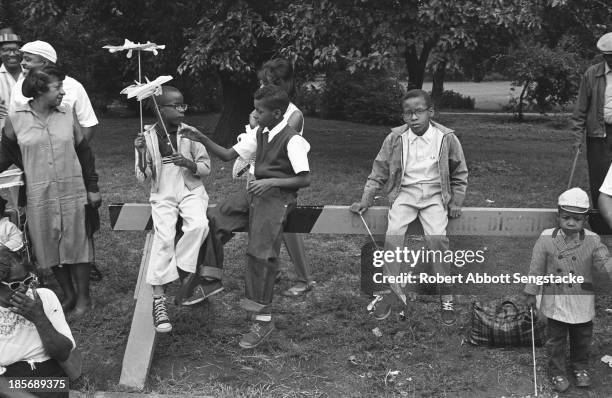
(272, 158)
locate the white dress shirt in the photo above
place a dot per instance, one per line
(420, 155)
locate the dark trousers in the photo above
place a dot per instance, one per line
(580, 335)
(49, 368)
(599, 158)
(265, 217)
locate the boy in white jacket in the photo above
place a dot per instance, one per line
(177, 190)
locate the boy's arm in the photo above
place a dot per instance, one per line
(378, 176)
(225, 154)
(202, 160)
(458, 173)
(258, 187)
(142, 164)
(538, 264)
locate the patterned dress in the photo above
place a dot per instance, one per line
(56, 195)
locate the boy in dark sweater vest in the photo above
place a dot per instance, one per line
(281, 168)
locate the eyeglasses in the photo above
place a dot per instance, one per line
(26, 282)
(178, 107)
(416, 112)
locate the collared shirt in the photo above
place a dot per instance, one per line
(607, 112)
(553, 254)
(297, 147)
(420, 155)
(7, 81)
(76, 97)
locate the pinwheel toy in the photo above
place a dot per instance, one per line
(150, 89)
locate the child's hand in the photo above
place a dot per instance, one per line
(94, 199)
(259, 187)
(253, 119)
(140, 142)
(530, 300)
(181, 161)
(358, 207)
(454, 211)
(193, 134)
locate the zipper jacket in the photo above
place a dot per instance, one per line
(588, 112)
(388, 168)
(191, 150)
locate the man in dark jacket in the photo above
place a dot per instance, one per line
(593, 116)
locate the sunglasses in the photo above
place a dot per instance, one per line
(178, 107)
(27, 282)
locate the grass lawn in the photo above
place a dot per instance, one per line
(324, 346)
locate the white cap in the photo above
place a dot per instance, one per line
(574, 200)
(604, 44)
(41, 48)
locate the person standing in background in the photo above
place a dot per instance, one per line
(10, 70)
(593, 117)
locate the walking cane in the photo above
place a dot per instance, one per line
(399, 293)
(569, 184)
(535, 376)
(369, 232)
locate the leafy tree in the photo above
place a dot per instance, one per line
(546, 76)
(371, 34)
(232, 39)
(79, 29)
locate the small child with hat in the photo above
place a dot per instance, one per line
(568, 250)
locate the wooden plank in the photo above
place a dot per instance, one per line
(141, 341)
(146, 254)
(475, 221)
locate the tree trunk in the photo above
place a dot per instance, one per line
(519, 108)
(437, 87)
(237, 104)
(415, 64)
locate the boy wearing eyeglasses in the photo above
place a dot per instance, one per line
(422, 169)
(176, 168)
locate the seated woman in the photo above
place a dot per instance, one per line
(34, 335)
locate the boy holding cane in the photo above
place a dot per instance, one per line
(422, 168)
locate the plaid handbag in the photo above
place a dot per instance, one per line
(503, 323)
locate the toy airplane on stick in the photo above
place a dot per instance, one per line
(130, 46)
(150, 89)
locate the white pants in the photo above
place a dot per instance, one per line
(174, 199)
(423, 201)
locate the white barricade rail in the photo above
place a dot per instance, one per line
(474, 221)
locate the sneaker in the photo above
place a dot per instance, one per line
(203, 291)
(582, 378)
(160, 315)
(259, 333)
(298, 289)
(560, 383)
(381, 306)
(447, 313)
